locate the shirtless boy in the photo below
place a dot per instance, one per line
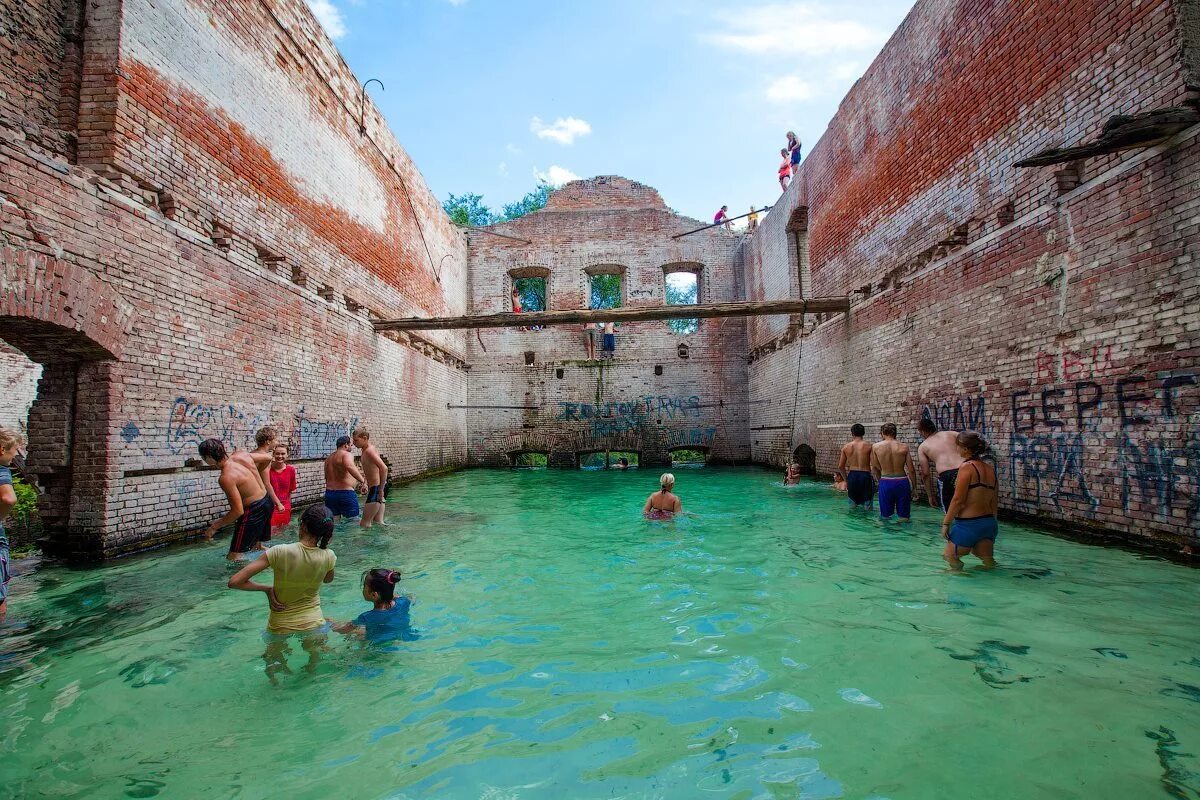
(938, 456)
(376, 473)
(854, 467)
(892, 466)
(249, 506)
(792, 476)
(263, 456)
(341, 478)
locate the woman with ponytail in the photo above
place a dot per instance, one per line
(299, 570)
(970, 523)
(663, 504)
(388, 619)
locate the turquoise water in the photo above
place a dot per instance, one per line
(772, 646)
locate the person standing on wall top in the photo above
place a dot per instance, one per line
(970, 522)
(785, 170)
(752, 220)
(610, 340)
(10, 447)
(249, 506)
(376, 473)
(892, 466)
(854, 467)
(793, 150)
(938, 456)
(341, 479)
(722, 217)
(589, 339)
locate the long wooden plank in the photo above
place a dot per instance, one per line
(509, 319)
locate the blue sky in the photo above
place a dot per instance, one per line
(691, 98)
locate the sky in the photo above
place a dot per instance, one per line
(694, 99)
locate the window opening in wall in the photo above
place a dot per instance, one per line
(529, 460)
(605, 291)
(529, 356)
(798, 264)
(683, 289)
(529, 294)
(611, 459)
(558, 373)
(806, 457)
(683, 350)
(658, 369)
(689, 457)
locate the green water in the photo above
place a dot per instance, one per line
(772, 646)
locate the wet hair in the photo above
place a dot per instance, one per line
(8, 438)
(362, 433)
(857, 430)
(973, 443)
(214, 449)
(624, 462)
(666, 481)
(265, 435)
(926, 425)
(382, 582)
(888, 429)
(343, 441)
(317, 521)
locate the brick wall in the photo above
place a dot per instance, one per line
(210, 263)
(564, 405)
(18, 387)
(1055, 309)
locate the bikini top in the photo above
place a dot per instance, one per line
(971, 486)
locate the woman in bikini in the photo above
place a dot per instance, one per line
(663, 504)
(970, 523)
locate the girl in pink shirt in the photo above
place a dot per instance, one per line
(283, 481)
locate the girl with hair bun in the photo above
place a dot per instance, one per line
(388, 619)
(300, 568)
(663, 504)
(970, 522)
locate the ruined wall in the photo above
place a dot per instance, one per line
(648, 399)
(18, 387)
(207, 260)
(1054, 309)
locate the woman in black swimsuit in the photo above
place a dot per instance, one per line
(970, 523)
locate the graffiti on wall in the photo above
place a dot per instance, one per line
(190, 422)
(1159, 472)
(616, 417)
(959, 414)
(317, 438)
(1046, 445)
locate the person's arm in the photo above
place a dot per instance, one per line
(235, 506)
(348, 628)
(8, 500)
(841, 467)
(241, 580)
(876, 467)
(926, 470)
(377, 460)
(678, 504)
(264, 473)
(294, 481)
(328, 577)
(959, 501)
(647, 508)
(911, 470)
(353, 471)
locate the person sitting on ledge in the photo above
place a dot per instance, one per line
(663, 504)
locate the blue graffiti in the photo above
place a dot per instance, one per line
(318, 438)
(191, 422)
(130, 431)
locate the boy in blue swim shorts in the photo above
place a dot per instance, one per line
(341, 479)
(892, 466)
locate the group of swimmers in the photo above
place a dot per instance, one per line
(967, 490)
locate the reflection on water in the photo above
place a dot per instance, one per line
(769, 644)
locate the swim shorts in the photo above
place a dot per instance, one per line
(610, 341)
(947, 480)
(795, 156)
(375, 494)
(342, 502)
(895, 497)
(253, 526)
(970, 531)
(860, 487)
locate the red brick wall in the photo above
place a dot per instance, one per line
(1062, 322)
(622, 404)
(210, 264)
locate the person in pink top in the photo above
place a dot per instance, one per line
(283, 481)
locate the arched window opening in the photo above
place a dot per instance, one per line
(606, 286)
(682, 288)
(806, 457)
(607, 459)
(529, 459)
(689, 457)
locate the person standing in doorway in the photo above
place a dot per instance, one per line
(938, 457)
(785, 170)
(341, 480)
(249, 506)
(10, 448)
(610, 340)
(376, 473)
(854, 467)
(892, 466)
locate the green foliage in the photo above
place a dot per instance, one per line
(470, 210)
(23, 520)
(688, 457)
(683, 289)
(606, 291)
(530, 460)
(532, 292)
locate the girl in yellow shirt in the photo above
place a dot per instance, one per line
(300, 568)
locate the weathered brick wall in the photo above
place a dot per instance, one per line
(18, 387)
(209, 266)
(564, 405)
(1054, 309)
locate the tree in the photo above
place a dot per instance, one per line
(469, 209)
(532, 201)
(606, 291)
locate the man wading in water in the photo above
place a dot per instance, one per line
(938, 456)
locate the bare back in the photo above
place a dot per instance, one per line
(257, 463)
(941, 450)
(977, 482)
(243, 479)
(663, 502)
(857, 455)
(338, 472)
(892, 456)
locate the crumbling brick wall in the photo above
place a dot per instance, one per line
(648, 399)
(1054, 309)
(211, 263)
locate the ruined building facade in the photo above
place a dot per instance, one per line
(199, 224)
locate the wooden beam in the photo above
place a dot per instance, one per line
(509, 319)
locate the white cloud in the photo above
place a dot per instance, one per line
(329, 16)
(792, 29)
(512, 148)
(555, 176)
(789, 89)
(563, 131)
(503, 168)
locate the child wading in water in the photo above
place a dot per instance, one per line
(283, 481)
(388, 620)
(300, 568)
